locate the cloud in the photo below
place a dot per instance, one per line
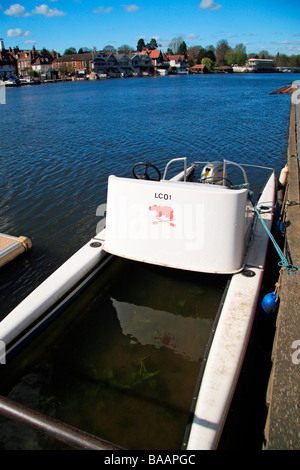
(103, 10)
(210, 5)
(12, 33)
(289, 45)
(16, 10)
(131, 8)
(46, 11)
(192, 36)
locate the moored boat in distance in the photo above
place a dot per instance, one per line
(11, 82)
(202, 220)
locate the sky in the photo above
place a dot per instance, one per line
(272, 25)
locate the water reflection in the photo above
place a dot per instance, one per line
(185, 336)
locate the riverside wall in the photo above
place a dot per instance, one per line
(282, 429)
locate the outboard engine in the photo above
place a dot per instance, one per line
(213, 173)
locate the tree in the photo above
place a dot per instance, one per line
(237, 55)
(182, 48)
(294, 60)
(152, 45)
(201, 55)
(140, 45)
(69, 51)
(281, 60)
(65, 69)
(82, 50)
(175, 43)
(221, 50)
(252, 55)
(210, 54)
(209, 64)
(124, 49)
(264, 55)
(211, 48)
(193, 54)
(205, 53)
(110, 49)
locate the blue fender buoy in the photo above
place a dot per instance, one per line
(280, 227)
(270, 302)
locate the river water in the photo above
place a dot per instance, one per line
(58, 144)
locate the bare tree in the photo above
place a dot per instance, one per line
(175, 43)
(221, 50)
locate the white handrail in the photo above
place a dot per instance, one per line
(184, 159)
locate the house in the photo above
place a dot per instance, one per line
(115, 65)
(141, 63)
(28, 61)
(260, 65)
(198, 68)
(163, 63)
(224, 69)
(8, 66)
(124, 65)
(100, 64)
(75, 63)
(42, 62)
(105, 63)
(23, 59)
(178, 63)
(157, 57)
(159, 60)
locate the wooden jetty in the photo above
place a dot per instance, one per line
(282, 430)
(11, 247)
(285, 90)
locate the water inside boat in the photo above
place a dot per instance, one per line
(122, 361)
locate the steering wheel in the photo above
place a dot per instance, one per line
(144, 175)
(218, 178)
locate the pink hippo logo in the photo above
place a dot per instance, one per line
(163, 214)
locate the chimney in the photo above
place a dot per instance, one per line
(2, 48)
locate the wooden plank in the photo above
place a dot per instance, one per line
(11, 247)
(282, 425)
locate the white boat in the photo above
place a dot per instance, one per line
(162, 72)
(203, 224)
(11, 82)
(28, 81)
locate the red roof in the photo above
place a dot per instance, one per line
(154, 54)
(176, 57)
(198, 66)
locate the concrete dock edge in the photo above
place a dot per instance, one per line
(282, 429)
